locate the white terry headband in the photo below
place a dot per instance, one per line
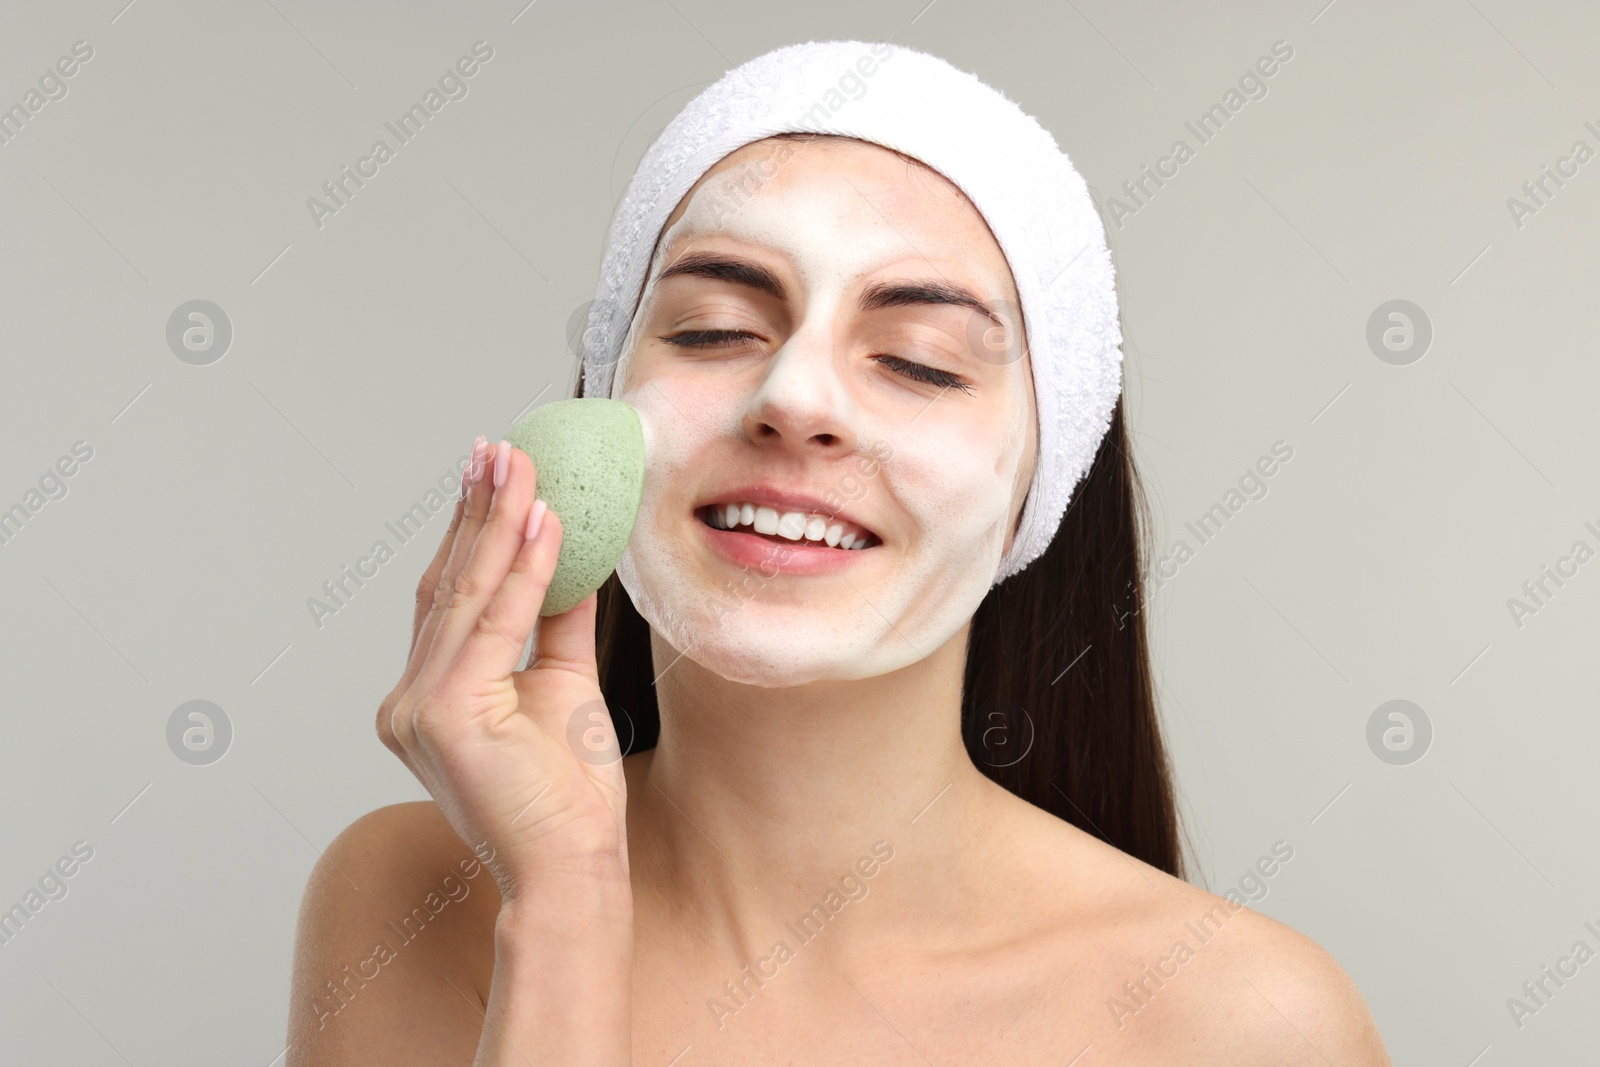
(1035, 203)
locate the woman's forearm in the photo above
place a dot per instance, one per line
(563, 975)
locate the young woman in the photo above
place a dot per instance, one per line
(895, 791)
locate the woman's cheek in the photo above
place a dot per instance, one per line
(948, 479)
(679, 424)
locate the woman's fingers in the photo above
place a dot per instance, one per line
(493, 648)
(430, 577)
(436, 589)
(567, 640)
(497, 640)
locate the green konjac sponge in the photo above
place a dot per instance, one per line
(588, 455)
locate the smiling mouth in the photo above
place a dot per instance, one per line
(788, 527)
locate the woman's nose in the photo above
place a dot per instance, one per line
(802, 400)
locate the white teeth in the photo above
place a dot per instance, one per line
(791, 525)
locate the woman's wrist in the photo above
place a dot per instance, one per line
(563, 972)
(584, 906)
(565, 903)
(581, 875)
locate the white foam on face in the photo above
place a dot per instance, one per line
(943, 502)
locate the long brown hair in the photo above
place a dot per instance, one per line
(1057, 705)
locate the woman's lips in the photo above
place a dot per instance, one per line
(774, 555)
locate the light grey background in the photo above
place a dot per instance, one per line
(368, 352)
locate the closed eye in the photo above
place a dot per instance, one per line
(921, 373)
(916, 371)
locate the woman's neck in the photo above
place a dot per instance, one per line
(756, 803)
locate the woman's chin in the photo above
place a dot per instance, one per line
(772, 636)
(778, 664)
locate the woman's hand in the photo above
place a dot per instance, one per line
(525, 767)
(525, 762)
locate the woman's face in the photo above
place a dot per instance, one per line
(798, 293)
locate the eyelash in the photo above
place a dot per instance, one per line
(916, 371)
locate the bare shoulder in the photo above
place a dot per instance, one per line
(1207, 978)
(1304, 1005)
(1167, 972)
(394, 948)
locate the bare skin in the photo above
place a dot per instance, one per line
(616, 904)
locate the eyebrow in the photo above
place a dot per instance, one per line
(727, 268)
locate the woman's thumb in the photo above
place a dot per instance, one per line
(566, 641)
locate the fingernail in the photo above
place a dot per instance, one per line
(535, 519)
(479, 447)
(464, 472)
(502, 462)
